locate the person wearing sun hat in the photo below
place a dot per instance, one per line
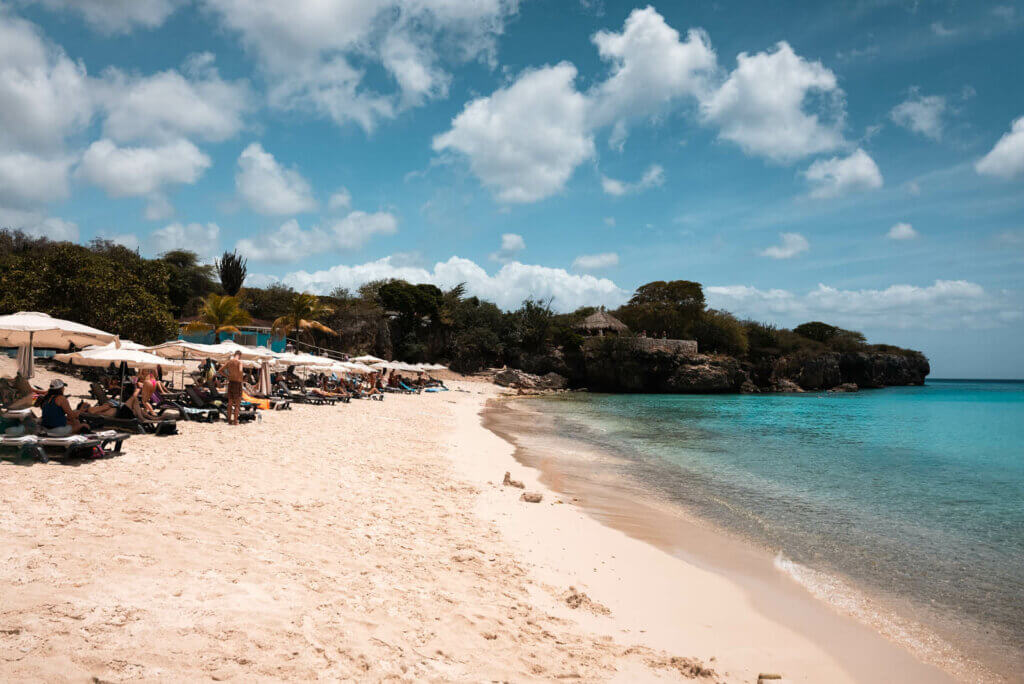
(59, 418)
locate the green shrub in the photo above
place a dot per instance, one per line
(720, 331)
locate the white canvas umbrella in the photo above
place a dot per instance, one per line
(367, 358)
(180, 349)
(31, 329)
(122, 344)
(360, 368)
(105, 356)
(264, 385)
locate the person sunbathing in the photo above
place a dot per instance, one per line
(323, 391)
(58, 418)
(142, 410)
(17, 393)
(152, 390)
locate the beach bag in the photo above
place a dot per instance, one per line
(97, 452)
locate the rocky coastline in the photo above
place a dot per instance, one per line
(631, 370)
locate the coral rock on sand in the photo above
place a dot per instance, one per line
(531, 497)
(509, 482)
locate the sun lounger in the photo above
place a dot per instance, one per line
(244, 415)
(300, 397)
(42, 447)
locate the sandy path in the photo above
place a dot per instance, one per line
(323, 543)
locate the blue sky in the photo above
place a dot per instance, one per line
(857, 162)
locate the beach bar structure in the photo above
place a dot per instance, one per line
(600, 323)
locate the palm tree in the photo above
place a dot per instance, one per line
(220, 313)
(232, 271)
(301, 317)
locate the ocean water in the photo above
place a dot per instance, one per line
(910, 499)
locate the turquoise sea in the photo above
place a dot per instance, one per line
(912, 496)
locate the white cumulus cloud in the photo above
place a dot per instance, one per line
(762, 106)
(653, 177)
(943, 305)
(524, 141)
(921, 114)
(651, 67)
(44, 95)
(511, 246)
(315, 54)
(35, 223)
(194, 237)
(168, 105)
(508, 287)
(341, 199)
(902, 231)
(840, 176)
(268, 187)
(595, 262)
(134, 171)
(1006, 159)
(118, 16)
(28, 180)
(791, 245)
(291, 243)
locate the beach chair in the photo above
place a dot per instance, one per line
(220, 406)
(42, 447)
(299, 397)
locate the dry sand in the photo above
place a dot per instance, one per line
(371, 541)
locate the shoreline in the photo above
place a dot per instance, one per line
(855, 648)
(371, 540)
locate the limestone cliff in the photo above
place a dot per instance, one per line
(621, 367)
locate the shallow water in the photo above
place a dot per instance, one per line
(908, 501)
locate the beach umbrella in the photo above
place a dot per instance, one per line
(367, 358)
(264, 385)
(180, 349)
(30, 329)
(359, 368)
(104, 356)
(121, 344)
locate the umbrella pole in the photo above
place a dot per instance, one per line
(31, 366)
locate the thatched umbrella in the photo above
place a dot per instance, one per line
(600, 322)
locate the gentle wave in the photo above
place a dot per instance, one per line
(915, 637)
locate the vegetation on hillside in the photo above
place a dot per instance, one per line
(114, 288)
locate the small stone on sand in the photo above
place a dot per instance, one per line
(531, 497)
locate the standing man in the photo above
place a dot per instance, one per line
(233, 370)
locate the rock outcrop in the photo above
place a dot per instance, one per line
(618, 366)
(863, 369)
(518, 379)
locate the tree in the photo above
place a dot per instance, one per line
(531, 324)
(268, 302)
(220, 313)
(816, 330)
(232, 270)
(302, 316)
(70, 281)
(681, 295)
(188, 281)
(719, 331)
(830, 335)
(672, 307)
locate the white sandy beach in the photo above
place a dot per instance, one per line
(364, 541)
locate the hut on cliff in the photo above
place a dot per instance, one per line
(601, 323)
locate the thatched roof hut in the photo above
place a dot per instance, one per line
(601, 322)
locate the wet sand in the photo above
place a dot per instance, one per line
(565, 465)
